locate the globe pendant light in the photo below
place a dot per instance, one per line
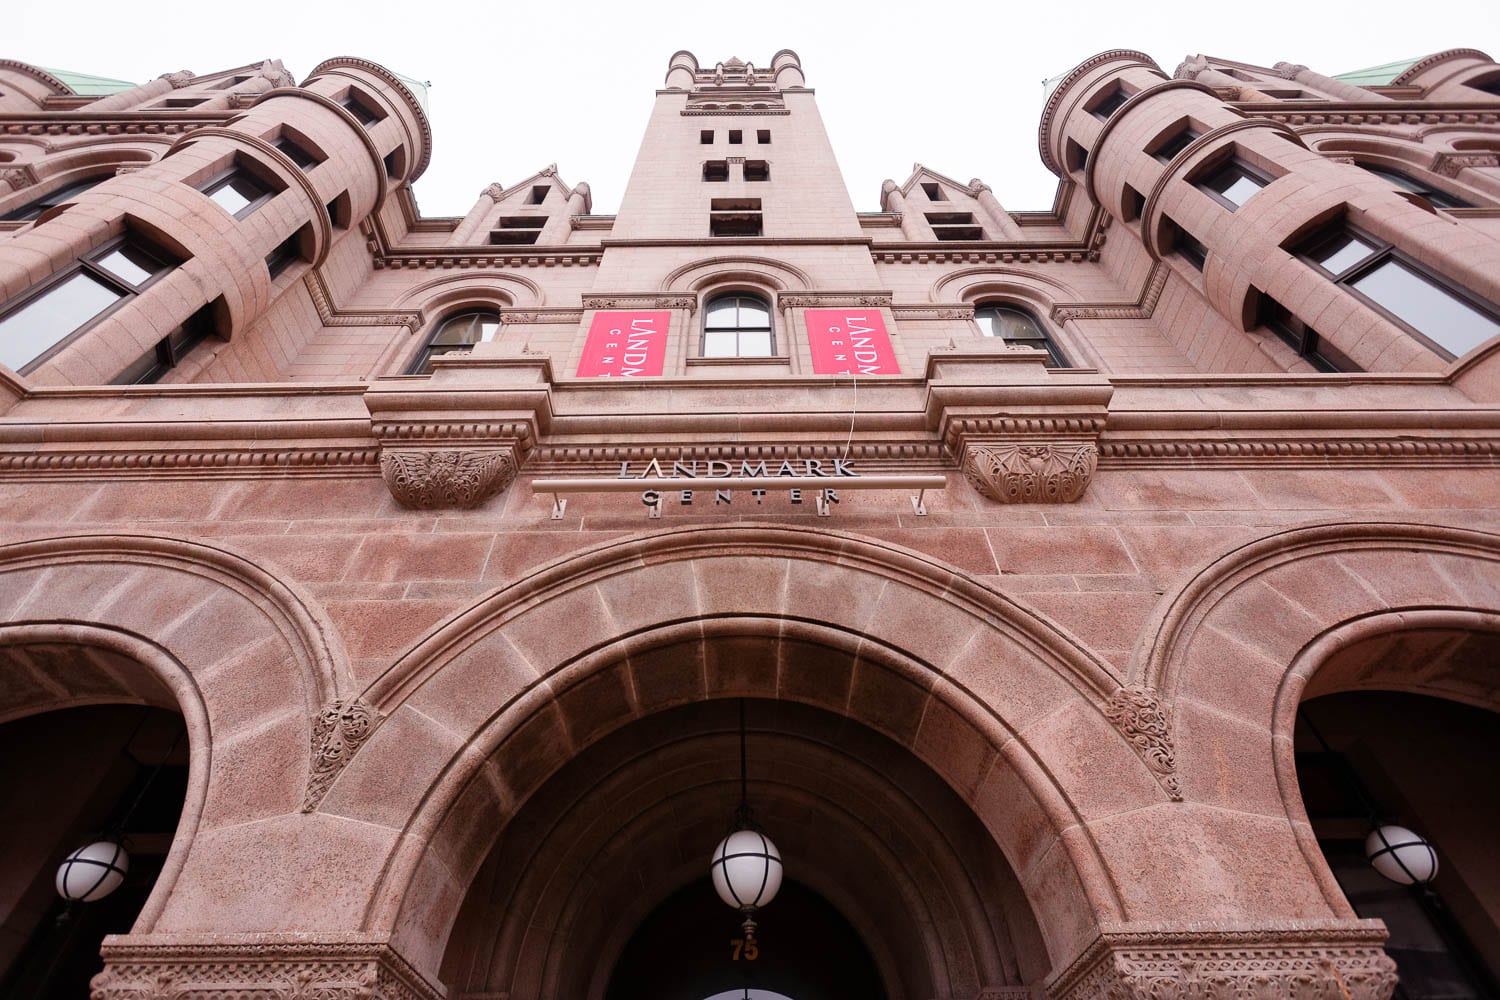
(1401, 856)
(95, 870)
(746, 866)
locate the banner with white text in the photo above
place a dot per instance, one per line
(849, 342)
(625, 345)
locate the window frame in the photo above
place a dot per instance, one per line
(1204, 180)
(1055, 356)
(1171, 144)
(1412, 184)
(59, 195)
(759, 298)
(1310, 345)
(228, 176)
(1112, 100)
(422, 363)
(1383, 252)
(88, 264)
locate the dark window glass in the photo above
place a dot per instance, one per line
(39, 322)
(934, 192)
(1302, 338)
(1175, 144)
(282, 257)
(736, 137)
(457, 335)
(51, 199)
(954, 226)
(706, 137)
(1192, 251)
(538, 194)
(1443, 316)
(296, 153)
(366, 115)
(1232, 184)
(170, 350)
(716, 170)
(737, 326)
(1490, 86)
(1406, 182)
(757, 170)
(734, 217)
(1018, 328)
(763, 136)
(1109, 105)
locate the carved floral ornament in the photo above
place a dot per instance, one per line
(446, 477)
(1139, 716)
(340, 729)
(1030, 473)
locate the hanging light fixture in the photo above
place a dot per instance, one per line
(746, 866)
(1403, 857)
(95, 870)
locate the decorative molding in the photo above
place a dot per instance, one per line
(443, 478)
(900, 455)
(1289, 71)
(1054, 100)
(182, 78)
(1146, 726)
(396, 260)
(20, 176)
(1030, 473)
(564, 315)
(929, 253)
(952, 311)
(640, 301)
(815, 300)
(1141, 308)
(1336, 114)
(184, 464)
(331, 315)
(1291, 963)
(248, 967)
(1453, 164)
(1421, 66)
(338, 731)
(1392, 450)
(494, 192)
(71, 124)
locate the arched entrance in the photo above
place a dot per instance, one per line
(598, 889)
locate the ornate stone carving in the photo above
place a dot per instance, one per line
(338, 731)
(425, 480)
(178, 80)
(640, 302)
(1272, 964)
(1453, 164)
(1139, 716)
(1289, 71)
(19, 177)
(494, 192)
(277, 75)
(816, 300)
(1027, 473)
(257, 970)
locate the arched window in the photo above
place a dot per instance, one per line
(737, 325)
(457, 335)
(1406, 182)
(1018, 328)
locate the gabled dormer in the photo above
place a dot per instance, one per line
(935, 207)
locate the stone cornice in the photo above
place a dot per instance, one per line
(1141, 308)
(36, 73)
(1374, 113)
(639, 300)
(105, 123)
(498, 257)
(330, 314)
(1422, 65)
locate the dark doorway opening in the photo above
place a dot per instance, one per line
(691, 948)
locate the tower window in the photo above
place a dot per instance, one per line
(1441, 315)
(287, 253)
(706, 137)
(1301, 338)
(1176, 142)
(1132, 204)
(518, 230)
(736, 137)
(37, 323)
(538, 194)
(169, 351)
(757, 170)
(954, 226)
(361, 110)
(1232, 184)
(1187, 245)
(457, 335)
(237, 193)
(763, 136)
(1075, 156)
(737, 326)
(716, 170)
(1406, 182)
(934, 192)
(1018, 328)
(1108, 104)
(296, 152)
(734, 217)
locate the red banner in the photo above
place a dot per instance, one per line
(849, 342)
(625, 345)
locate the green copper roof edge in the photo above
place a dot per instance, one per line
(1377, 76)
(87, 84)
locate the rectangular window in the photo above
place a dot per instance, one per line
(296, 153)
(233, 81)
(934, 192)
(284, 256)
(954, 226)
(237, 193)
(365, 114)
(169, 351)
(51, 199)
(518, 230)
(1440, 314)
(1108, 104)
(1132, 203)
(1075, 156)
(1174, 144)
(37, 324)
(763, 136)
(716, 170)
(736, 137)
(734, 217)
(757, 170)
(538, 194)
(1302, 338)
(180, 103)
(1232, 184)
(706, 137)
(1188, 246)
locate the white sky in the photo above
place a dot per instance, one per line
(956, 86)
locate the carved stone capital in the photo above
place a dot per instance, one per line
(1147, 727)
(255, 966)
(340, 729)
(1453, 164)
(19, 177)
(493, 192)
(1030, 473)
(277, 75)
(445, 477)
(179, 79)
(1291, 962)
(1289, 71)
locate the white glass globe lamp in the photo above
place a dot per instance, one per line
(92, 872)
(746, 870)
(1402, 856)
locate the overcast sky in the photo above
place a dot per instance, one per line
(955, 86)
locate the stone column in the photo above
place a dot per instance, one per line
(473, 224)
(136, 96)
(894, 201)
(1001, 224)
(1336, 89)
(580, 202)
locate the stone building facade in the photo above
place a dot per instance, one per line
(1090, 580)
